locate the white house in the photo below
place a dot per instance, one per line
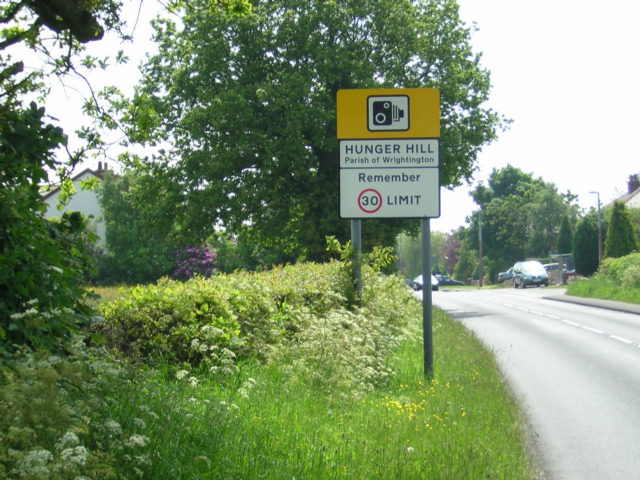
(84, 201)
(632, 198)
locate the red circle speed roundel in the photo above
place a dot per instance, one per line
(370, 200)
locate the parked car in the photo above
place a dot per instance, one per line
(530, 272)
(445, 280)
(418, 283)
(503, 276)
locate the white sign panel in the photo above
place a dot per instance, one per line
(391, 178)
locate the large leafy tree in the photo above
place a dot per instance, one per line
(249, 107)
(521, 217)
(141, 239)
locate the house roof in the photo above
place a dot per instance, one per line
(627, 197)
(98, 174)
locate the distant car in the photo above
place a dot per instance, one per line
(503, 276)
(530, 272)
(418, 283)
(445, 280)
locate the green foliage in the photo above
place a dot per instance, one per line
(565, 236)
(305, 414)
(409, 252)
(615, 269)
(249, 106)
(617, 279)
(56, 417)
(43, 263)
(204, 322)
(621, 237)
(521, 217)
(467, 266)
(139, 209)
(585, 246)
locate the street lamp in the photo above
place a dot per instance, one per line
(599, 230)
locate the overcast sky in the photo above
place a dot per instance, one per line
(565, 71)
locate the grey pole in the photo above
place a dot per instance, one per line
(356, 241)
(427, 302)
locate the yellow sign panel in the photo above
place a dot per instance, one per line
(388, 113)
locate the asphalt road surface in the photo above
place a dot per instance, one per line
(575, 370)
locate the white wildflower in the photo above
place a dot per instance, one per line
(193, 381)
(34, 464)
(68, 440)
(180, 374)
(139, 423)
(228, 353)
(75, 455)
(136, 440)
(113, 427)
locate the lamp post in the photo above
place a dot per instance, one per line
(599, 230)
(480, 262)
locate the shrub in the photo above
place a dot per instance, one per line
(614, 268)
(42, 263)
(192, 261)
(298, 313)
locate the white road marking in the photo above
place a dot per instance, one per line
(597, 331)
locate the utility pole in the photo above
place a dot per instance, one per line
(480, 264)
(599, 230)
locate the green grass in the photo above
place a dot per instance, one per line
(302, 387)
(601, 287)
(270, 422)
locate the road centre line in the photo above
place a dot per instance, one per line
(597, 331)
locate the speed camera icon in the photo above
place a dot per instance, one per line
(388, 113)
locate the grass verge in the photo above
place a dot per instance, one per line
(270, 422)
(260, 376)
(605, 288)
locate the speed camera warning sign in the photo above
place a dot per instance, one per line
(388, 113)
(389, 153)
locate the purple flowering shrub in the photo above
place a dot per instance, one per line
(192, 261)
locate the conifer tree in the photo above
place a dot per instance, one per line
(621, 238)
(585, 246)
(565, 236)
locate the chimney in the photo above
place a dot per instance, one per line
(99, 166)
(634, 183)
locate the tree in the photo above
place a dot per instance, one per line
(409, 253)
(585, 246)
(141, 236)
(621, 238)
(43, 263)
(451, 252)
(565, 236)
(249, 105)
(467, 266)
(521, 217)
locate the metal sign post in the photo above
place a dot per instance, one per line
(356, 242)
(427, 305)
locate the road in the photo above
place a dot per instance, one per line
(575, 370)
